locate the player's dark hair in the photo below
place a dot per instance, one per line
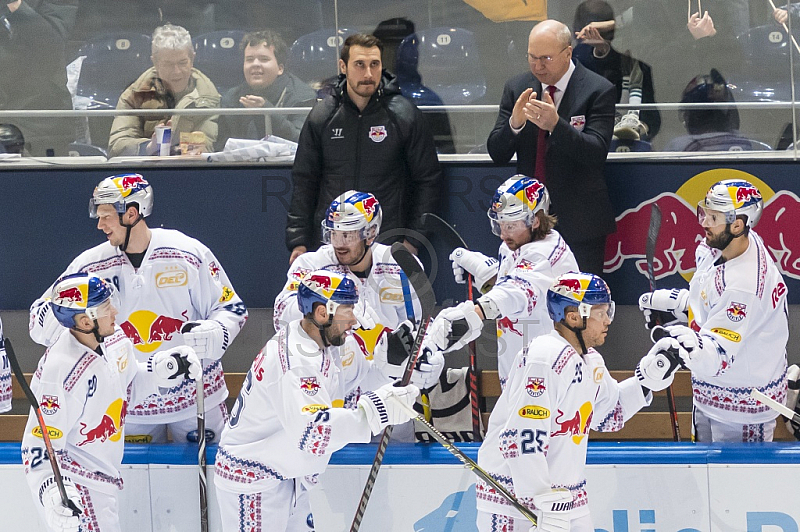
(271, 39)
(359, 39)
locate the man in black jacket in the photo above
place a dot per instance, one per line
(365, 136)
(267, 84)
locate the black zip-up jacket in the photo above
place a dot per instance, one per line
(387, 150)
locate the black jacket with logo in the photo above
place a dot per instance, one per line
(387, 150)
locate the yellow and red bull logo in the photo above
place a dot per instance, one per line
(573, 286)
(368, 339)
(367, 207)
(309, 385)
(129, 183)
(577, 426)
(743, 194)
(535, 386)
(324, 284)
(147, 330)
(73, 296)
(109, 426)
(530, 194)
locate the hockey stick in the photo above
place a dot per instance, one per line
(470, 463)
(452, 239)
(784, 410)
(427, 299)
(12, 359)
(650, 253)
(201, 452)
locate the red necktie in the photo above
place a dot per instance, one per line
(541, 146)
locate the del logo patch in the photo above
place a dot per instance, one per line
(309, 385)
(377, 133)
(737, 311)
(535, 386)
(578, 122)
(727, 334)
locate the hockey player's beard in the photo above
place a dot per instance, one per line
(335, 340)
(722, 240)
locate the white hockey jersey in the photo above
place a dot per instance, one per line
(739, 307)
(288, 420)
(179, 280)
(83, 397)
(382, 290)
(520, 293)
(5, 375)
(537, 434)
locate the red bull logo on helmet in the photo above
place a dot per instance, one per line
(147, 330)
(532, 193)
(109, 426)
(72, 297)
(368, 207)
(576, 426)
(130, 183)
(322, 283)
(681, 233)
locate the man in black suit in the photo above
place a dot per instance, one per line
(576, 124)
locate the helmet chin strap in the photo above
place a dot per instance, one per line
(578, 333)
(94, 330)
(128, 228)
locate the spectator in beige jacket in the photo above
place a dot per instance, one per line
(172, 83)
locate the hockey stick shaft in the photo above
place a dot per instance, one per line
(201, 453)
(784, 410)
(12, 359)
(386, 435)
(470, 463)
(652, 241)
(440, 226)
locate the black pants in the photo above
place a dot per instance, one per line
(590, 254)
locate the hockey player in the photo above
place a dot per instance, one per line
(531, 256)
(169, 284)
(737, 314)
(82, 384)
(287, 419)
(349, 229)
(559, 389)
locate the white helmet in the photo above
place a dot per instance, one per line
(120, 191)
(353, 211)
(519, 198)
(732, 197)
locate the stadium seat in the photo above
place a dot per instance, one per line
(765, 69)
(314, 57)
(625, 146)
(443, 60)
(112, 63)
(218, 56)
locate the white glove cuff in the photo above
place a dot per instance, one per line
(490, 309)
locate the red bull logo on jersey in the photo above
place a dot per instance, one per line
(736, 311)
(309, 385)
(535, 386)
(214, 269)
(72, 297)
(147, 330)
(368, 339)
(505, 325)
(378, 133)
(577, 426)
(680, 231)
(109, 426)
(49, 404)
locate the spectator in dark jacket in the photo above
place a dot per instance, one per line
(267, 85)
(365, 136)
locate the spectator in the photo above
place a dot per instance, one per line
(368, 136)
(632, 78)
(709, 129)
(267, 84)
(33, 37)
(11, 139)
(561, 139)
(172, 83)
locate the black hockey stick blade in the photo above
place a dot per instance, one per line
(12, 359)
(652, 240)
(416, 276)
(439, 227)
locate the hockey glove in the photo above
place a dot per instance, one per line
(58, 516)
(367, 318)
(380, 409)
(177, 362)
(482, 268)
(554, 507)
(443, 326)
(664, 307)
(657, 368)
(392, 352)
(208, 338)
(793, 376)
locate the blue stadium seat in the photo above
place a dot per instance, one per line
(765, 70)
(112, 63)
(315, 57)
(218, 56)
(446, 61)
(625, 146)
